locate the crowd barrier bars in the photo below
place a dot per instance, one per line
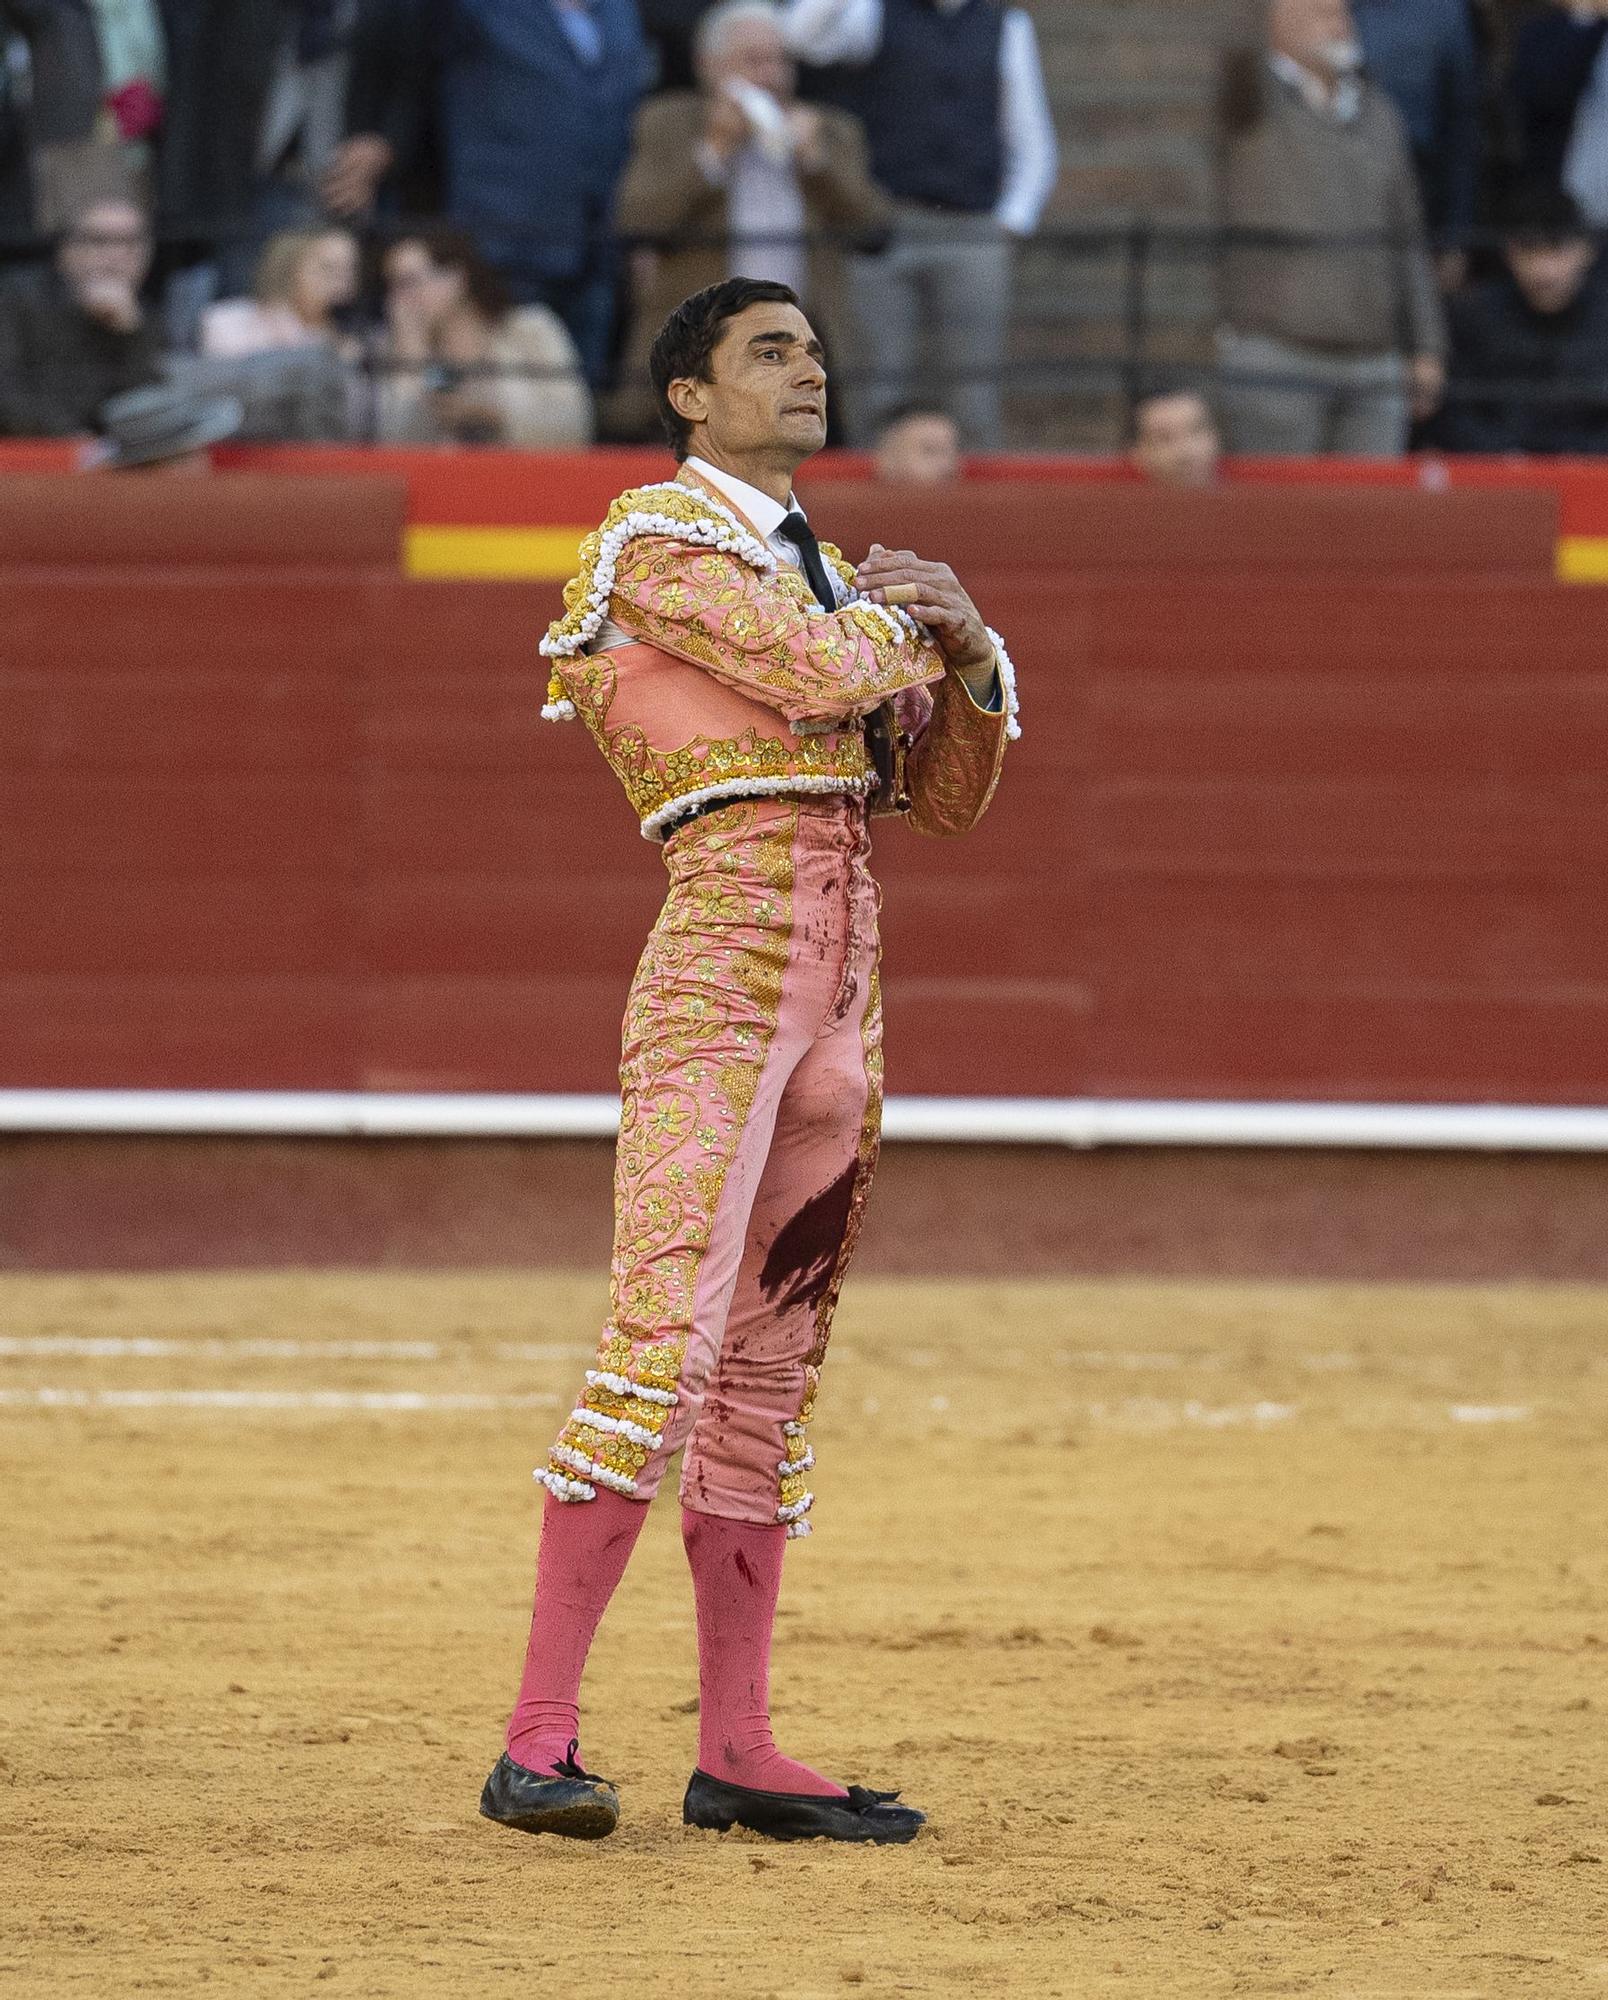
(1147, 246)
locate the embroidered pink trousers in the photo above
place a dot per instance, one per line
(751, 1106)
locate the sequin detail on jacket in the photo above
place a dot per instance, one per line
(772, 690)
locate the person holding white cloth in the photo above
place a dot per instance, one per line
(739, 180)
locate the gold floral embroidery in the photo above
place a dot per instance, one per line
(699, 1021)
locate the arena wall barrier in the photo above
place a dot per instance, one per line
(1308, 811)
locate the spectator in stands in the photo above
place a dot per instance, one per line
(76, 333)
(1423, 53)
(306, 280)
(1558, 92)
(739, 180)
(918, 445)
(461, 364)
(951, 94)
(1541, 325)
(1176, 440)
(16, 175)
(1327, 345)
(537, 99)
(51, 115)
(280, 113)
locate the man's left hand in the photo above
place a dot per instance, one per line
(940, 604)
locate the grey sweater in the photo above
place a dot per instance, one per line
(1297, 173)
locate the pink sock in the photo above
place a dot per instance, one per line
(736, 1577)
(585, 1547)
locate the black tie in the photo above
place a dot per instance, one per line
(795, 529)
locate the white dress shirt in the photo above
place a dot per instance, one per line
(850, 31)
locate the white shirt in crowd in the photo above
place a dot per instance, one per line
(1342, 102)
(1585, 164)
(766, 224)
(766, 514)
(849, 31)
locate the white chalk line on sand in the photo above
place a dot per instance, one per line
(141, 1347)
(1140, 1413)
(407, 1401)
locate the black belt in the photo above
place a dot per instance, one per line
(697, 812)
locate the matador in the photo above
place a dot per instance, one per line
(759, 700)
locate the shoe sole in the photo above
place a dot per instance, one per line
(586, 1819)
(890, 1838)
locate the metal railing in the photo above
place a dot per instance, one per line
(1103, 312)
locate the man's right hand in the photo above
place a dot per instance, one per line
(354, 173)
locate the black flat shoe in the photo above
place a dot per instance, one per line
(565, 1800)
(863, 1815)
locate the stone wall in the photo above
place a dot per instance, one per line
(1134, 86)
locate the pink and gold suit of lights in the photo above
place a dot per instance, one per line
(751, 1075)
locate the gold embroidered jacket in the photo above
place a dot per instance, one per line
(737, 683)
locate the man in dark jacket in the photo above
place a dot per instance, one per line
(536, 103)
(54, 120)
(282, 111)
(1542, 325)
(1558, 102)
(75, 334)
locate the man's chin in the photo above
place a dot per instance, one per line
(805, 434)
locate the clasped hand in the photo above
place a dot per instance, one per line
(940, 603)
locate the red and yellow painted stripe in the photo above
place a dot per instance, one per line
(520, 516)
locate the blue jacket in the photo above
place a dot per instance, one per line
(1423, 53)
(533, 138)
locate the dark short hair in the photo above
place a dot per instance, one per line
(690, 336)
(1540, 212)
(452, 249)
(904, 413)
(1167, 388)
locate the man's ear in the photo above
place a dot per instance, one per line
(689, 398)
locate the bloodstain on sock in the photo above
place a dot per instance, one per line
(736, 1575)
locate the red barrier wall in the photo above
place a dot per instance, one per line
(1332, 829)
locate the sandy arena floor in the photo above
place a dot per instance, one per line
(1239, 1640)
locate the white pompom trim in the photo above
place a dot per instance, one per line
(725, 532)
(578, 1461)
(750, 788)
(797, 1530)
(622, 1385)
(804, 1464)
(615, 1426)
(567, 1490)
(1007, 681)
(558, 711)
(797, 1511)
(897, 623)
